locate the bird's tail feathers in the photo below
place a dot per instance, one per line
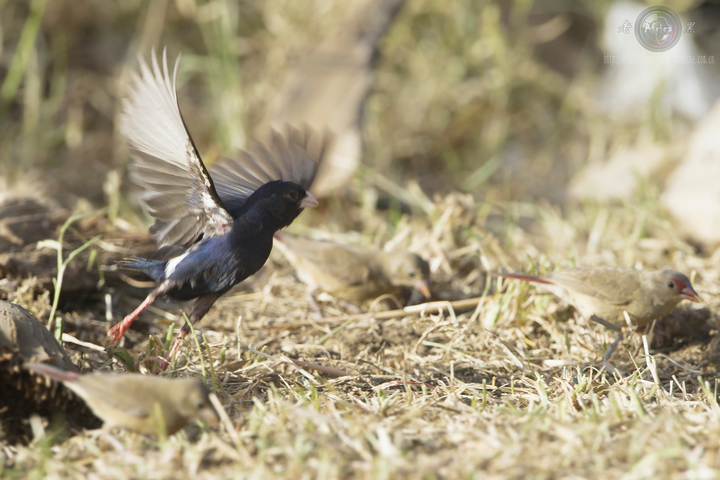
(526, 277)
(50, 371)
(134, 264)
(155, 269)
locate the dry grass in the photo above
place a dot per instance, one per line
(512, 389)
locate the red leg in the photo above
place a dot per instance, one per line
(164, 363)
(201, 306)
(183, 333)
(116, 333)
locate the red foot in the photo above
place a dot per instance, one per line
(116, 333)
(160, 364)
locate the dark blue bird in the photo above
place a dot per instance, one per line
(216, 228)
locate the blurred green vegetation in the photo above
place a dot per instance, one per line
(493, 98)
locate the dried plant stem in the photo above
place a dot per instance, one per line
(430, 307)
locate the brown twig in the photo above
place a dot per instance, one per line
(301, 363)
(430, 307)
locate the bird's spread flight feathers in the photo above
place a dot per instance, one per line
(179, 191)
(295, 157)
(187, 202)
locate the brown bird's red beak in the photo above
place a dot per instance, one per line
(688, 293)
(309, 201)
(207, 413)
(422, 287)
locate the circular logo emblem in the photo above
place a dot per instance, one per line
(657, 29)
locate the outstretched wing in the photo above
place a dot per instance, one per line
(294, 157)
(179, 191)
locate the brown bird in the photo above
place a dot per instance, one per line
(353, 273)
(602, 294)
(134, 401)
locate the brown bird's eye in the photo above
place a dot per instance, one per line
(671, 284)
(411, 272)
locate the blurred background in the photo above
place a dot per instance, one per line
(509, 101)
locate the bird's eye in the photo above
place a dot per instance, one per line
(410, 272)
(293, 195)
(671, 284)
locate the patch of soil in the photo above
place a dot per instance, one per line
(683, 327)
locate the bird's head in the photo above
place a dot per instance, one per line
(409, 270)
(281, 202)
(676, 286)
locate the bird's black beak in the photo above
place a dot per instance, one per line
(422, 287)
(309, 201)
(688, 293)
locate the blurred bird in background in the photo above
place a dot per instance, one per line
(353, 273)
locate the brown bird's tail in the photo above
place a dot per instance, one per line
(52, 372)
(526, 277)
